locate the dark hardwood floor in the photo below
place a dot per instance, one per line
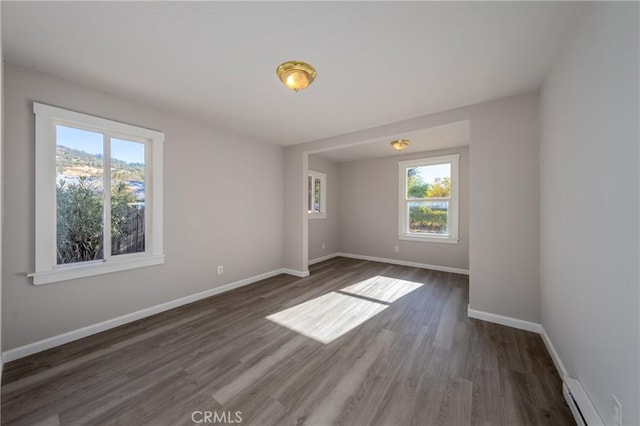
(356, 343)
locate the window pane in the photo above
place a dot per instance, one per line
(127, 197)
(310, 197)
(429, 181)
(428, 217)
(79, 195)
(316, 196)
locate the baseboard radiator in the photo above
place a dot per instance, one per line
(581, 406)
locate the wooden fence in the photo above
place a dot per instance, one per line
(132, 238)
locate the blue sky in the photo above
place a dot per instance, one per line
(430, 173)
(91, 142)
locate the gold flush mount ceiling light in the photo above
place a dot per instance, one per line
(296, 75)
(400, 144)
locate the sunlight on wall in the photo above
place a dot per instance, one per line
(331, 315)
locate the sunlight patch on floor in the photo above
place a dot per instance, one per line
(384, 289)
(334, 314)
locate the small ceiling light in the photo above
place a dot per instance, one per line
(296, 75)
(400, 144)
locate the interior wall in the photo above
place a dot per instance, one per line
(1, 184)
(589, 186)
(325, 230)
(504, 220)
(503, 211)
(223, 200)
(368, 202)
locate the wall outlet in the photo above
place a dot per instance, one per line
(322, 245)
(396, 249)
(220, 270)
(617, 412)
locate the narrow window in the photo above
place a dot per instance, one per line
(317, 199)
(127, 197)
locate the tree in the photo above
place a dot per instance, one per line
(416, 187)
(441, 188)
(121, 200)
(79, 219)
(423, 218)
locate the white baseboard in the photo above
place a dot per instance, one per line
(562, 370)
(407, 263)
(575, 388)
(502, 320)
(61, 339)
(295, 273)
(579, 394)
(323, 258)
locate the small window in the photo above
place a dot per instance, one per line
(98, 195)
(317, 199)
(429, 199)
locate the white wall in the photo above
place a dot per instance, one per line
(223, 206)
(503, 217)
(325, 230)
(589, 186)
(1, 185)
(369, 217)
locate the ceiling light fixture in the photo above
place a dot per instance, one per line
(296, 75)
(400, 144)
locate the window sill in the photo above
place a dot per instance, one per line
(428, 238)
(317, 215)
(70, 272)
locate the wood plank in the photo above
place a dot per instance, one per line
(355, 343)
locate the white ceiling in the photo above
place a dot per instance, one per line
(439, 137)
(377, 62)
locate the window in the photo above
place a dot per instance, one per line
(317, 200)
(98, 195)
(429, 199)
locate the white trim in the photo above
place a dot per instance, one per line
(407, 263)
(305, 211)
(322, 214)
(46, 268)
(317, 216)
(61, 339)
(88, 269)
(323, 258)
(572, 387)
(554, 354)
(502, 320)
(428, 238)
(97, 122)
(301, 274)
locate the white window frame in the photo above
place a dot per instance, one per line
(452, 217)
(323, 194)
(46, 268)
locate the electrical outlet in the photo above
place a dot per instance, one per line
(322, 245)
(396, 249)
(617, 412)
(220, 270)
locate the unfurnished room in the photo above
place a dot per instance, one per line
(320, 213)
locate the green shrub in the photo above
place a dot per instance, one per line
(423, 218)
(79, 219)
